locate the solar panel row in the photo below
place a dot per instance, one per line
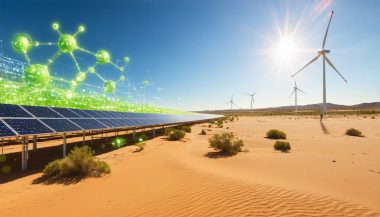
(31, 120)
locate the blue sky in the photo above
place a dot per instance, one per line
(196, 54)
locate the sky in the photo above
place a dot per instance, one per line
(197, 54)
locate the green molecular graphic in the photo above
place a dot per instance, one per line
(38, 74)
(38, 86)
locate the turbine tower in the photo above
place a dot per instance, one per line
(323, 53)
(231, 102)
(295, 89)
(252, 99)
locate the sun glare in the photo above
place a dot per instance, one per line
(285, 50)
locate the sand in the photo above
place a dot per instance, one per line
(325, 174)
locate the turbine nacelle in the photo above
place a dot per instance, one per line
(323, 52)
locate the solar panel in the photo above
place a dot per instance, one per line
(89, 124)
(7, 110)
(61, 125)
(67, 113)
(108, 122)
(42, 112)
(93, 113)
(27, 126)
(82, 113)
(5, 131)
(32, 120)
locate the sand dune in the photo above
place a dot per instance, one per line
(176, 179)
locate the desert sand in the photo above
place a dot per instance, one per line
(325, 174)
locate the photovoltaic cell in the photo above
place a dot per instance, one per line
(27, 126)
(67, 113)
(82, 113)
(5, 131)
(89, 124)
(14, 111)
(61, 125)
(42, 112)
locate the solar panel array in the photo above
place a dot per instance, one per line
(19, 120)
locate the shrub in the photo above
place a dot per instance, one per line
(282, 146)
(226, 143)
(168, 131)
(203, 132)
(187, 129)
(276, 134)
(79, 162)
(354, 132)
(176, 135)
(53, 168)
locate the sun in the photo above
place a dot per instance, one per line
(285, 50)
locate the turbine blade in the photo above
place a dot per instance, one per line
(300, 90)
(254, 93)
(327, 30)
(292, 93)
(315, 58)
(330, 63)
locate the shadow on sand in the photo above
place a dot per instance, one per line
(216, 155)
(58, 180)
(324, 128)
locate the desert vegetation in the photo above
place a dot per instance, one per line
(276, 134)
(353, 132)
(79, 162)
(185, 128)
(282, 146)
(174, 134)
(226, 143)
(203, 132)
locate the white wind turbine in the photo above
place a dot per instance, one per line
(252, 99)
(295, 89)
(231, 102)
(323, 53)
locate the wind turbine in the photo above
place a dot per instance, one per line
(252, 99)
(295, 89)
(323, 53)
(231, 102)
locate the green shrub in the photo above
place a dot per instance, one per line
(226, 143)
(176, 135)
(276, 134)
(187, 129)
(53, 168)
(79, 162)
(203, 132)
(354, 132)
(282, 146)
(168, 131)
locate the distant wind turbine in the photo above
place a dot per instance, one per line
(231, 102)
(295, 89)
(252, 99)
(323, 53)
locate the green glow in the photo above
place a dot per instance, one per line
(126, 60)
(37, 87)
(109, 86)
(55, 26)
(21, 43)
(102, 57)
(118, 142)
(146, 83)
(80, 76)
(36, 75)
(67, 43)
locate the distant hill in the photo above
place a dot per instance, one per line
(310, 107)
